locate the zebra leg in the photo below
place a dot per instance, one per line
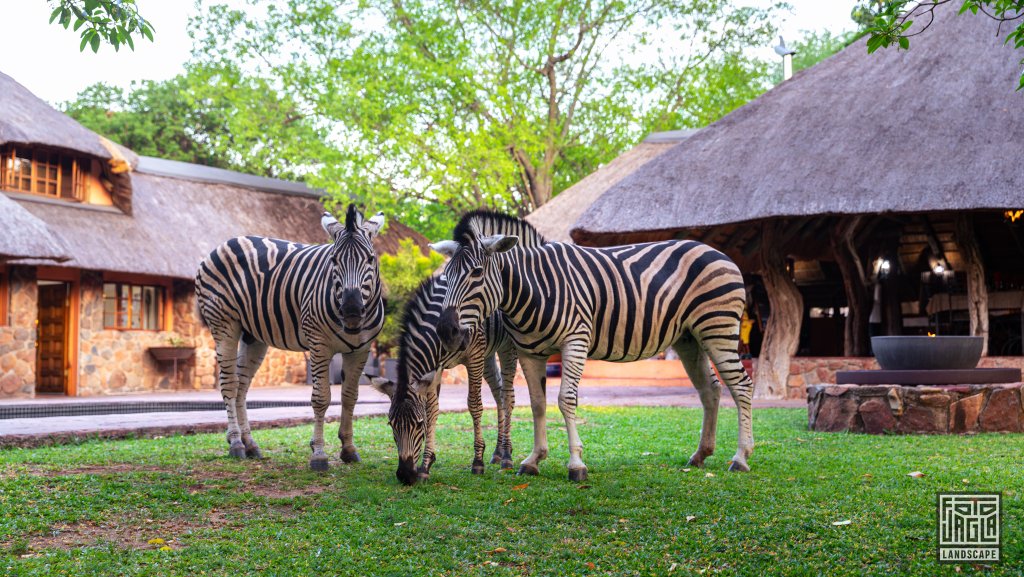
(319, 362)
(574, 354)
(475, 370)
(507, 403)
(353, 364)
(534, 368)
(250, 358)
(695, 361)
(430, 401)
(730, 368)
(494, 381)
(226, 339)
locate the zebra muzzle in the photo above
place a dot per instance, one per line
(453, 336)
(406, 472)
(352, 308)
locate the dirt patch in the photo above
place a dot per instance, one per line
(286, 493)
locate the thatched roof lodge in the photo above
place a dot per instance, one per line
(555, 218)
(99, 248)
(900, 169)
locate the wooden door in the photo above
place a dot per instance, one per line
(51, 348)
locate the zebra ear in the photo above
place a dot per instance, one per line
(445, 247)
(498, 243)
(384, 386)
(425, 381)
(373, 226)
(331, 225)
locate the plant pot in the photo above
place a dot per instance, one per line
(162, 354)
(905, 353)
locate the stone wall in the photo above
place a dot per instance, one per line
(877, 409)
(18, 338)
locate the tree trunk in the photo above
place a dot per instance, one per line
(782, 332)
(977, 293)
(855, 285)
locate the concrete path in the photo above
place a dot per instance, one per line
(56, 430)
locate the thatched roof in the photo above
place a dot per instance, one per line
(28, 120)
(177, 221)
(22, 235)
(938, 127)
(554, 219)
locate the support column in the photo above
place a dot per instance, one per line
(977, 292)
(782, 331)
(858, 293)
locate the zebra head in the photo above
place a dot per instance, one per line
(407, 418)
(474, 284)
(355, 276)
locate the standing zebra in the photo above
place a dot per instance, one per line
(617, 304)
(253, 292)
(414, 397)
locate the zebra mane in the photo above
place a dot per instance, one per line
(489, 222)
(420, 294)
(351, 218)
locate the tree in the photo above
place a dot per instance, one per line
(212, 116)
(892, 23)
(437, 107)
(110, 21)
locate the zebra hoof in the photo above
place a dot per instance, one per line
(739, 467)
(318, 464)
(237, 451)
(495, 458)
(253, 452)
(422, 476)
(531, 470)
(350, 455)
(478, 469)
(578, 475)
(507, 464)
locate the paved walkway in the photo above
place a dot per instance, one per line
(55, 430)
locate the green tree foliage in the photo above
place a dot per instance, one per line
(436, 107)
(110, 21)
(893, 20)
(212, 116)
(401, 273)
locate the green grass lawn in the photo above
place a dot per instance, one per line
(92, 509)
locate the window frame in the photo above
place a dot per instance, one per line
(42, 161)
(163, 300)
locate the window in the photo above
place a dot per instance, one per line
(133, 307)
(41, 172)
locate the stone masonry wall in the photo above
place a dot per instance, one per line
(18, 339)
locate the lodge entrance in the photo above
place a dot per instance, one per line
(52, 340)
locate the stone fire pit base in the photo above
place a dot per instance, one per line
(951, 409)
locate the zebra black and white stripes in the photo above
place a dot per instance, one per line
(414, 394)
(619, 304)
(254, 292)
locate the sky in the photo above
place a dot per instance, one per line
(45, 58)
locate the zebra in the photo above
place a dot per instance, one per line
(617, 304)
(414, 396)
(254, 292)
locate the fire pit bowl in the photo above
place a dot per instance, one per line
(900, 353)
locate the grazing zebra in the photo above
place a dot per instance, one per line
(414, 397)
(617, 304)
(254, 292)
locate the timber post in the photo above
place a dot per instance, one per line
(782, 331)
(977, 293)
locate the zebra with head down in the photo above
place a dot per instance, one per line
(414, 394)
(254, 292)
(618, 304)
